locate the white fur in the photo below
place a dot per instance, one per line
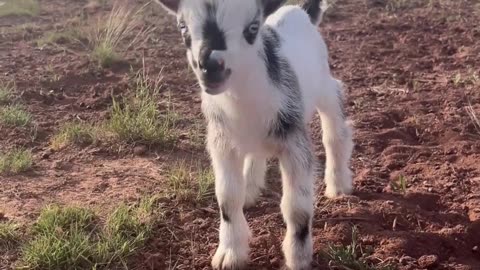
(249, 103)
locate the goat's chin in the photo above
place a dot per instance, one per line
(214, 91)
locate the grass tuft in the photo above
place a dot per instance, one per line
(74, 134)
(6, 90)
(15, 161)
(15, 115)
(9, 235)
(352, 256)
(190, 182)
(73, 238)
(137, 119)
(122, 25)
(19, 7)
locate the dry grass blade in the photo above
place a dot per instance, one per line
(473, 116)
(123, 25)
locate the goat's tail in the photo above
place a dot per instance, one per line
(315, 9)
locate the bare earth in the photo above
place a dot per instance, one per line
(409, 113)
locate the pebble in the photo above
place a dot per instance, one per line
(428, 261)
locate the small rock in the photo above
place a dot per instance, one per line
(140, 150)
(405, 260)
(47, 154)
(475, 249)
(428, 261)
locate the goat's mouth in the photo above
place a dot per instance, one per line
(213, 83)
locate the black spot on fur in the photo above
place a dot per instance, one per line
(312, 7)
(302, 232)
(195, 63)
(284, 125)
(270, 6)
(282, 76)
(224, 214)
(271, 44)
(213, 36)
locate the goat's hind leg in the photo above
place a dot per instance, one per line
(230, 186)
(337, 140)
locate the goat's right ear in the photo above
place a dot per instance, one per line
(170, 5)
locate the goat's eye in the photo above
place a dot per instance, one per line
(253, 28)
(251, 31)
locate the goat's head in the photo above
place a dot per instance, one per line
(220, 36)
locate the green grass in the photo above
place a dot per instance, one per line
(15, 161)
(400, 185)
(74, 238)
(75, 134)
(15, 115)
(190, 183)
(352, 256)
(6, 90)
(19, 7)
(105, 55)
(471, 78)
(136, 119)
(9, 235)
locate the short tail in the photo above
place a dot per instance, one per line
(315, 10)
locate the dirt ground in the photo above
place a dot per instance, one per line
(410, 77)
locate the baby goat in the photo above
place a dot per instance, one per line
(264, 71)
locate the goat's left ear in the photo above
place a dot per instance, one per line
(270, 6)
(170, 5)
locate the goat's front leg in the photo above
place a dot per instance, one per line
(297, 167)
(232, 252)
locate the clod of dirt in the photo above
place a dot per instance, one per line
(47, 154)
(428, 261)
(140, 150)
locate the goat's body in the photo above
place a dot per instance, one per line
(273, 78)
(248, 112)
(265, 114)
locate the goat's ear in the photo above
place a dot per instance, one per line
(270, 6)
(170, 5)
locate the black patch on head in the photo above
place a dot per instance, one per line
(270, 6)
(213, 36)
(224, 214)
(312, 7)
(290, 117)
